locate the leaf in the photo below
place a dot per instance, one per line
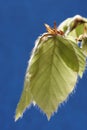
(81, 57)
(84, 46)
(52, 74)
(25, 100)
(82, 60)
(77, 31)
(67, 53)
(73, 26)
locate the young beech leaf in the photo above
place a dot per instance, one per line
(67, 53)
(73, 26)
(80, 54)
(81, 59)
(84, 46)
(56, 76)
(77, 31)
(52, 73)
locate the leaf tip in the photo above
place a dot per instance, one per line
(17, 116)
(48, 118)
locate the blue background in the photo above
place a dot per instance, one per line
(21, 22)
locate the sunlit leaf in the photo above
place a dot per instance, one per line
(68, 53)
(80, 55)
(78, 30)
(73, 26)
(53, 73)
(84, 46)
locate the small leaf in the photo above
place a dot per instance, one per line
(78, 30)
(73, 26)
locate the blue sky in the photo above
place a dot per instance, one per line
(21, 22)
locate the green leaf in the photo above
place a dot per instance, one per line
(80, 55)
(84, 46)
(56, 76)
(52, 74)
(82, 60)
(73, 26)
(67, 53)
(25, 100)
(78, 30)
